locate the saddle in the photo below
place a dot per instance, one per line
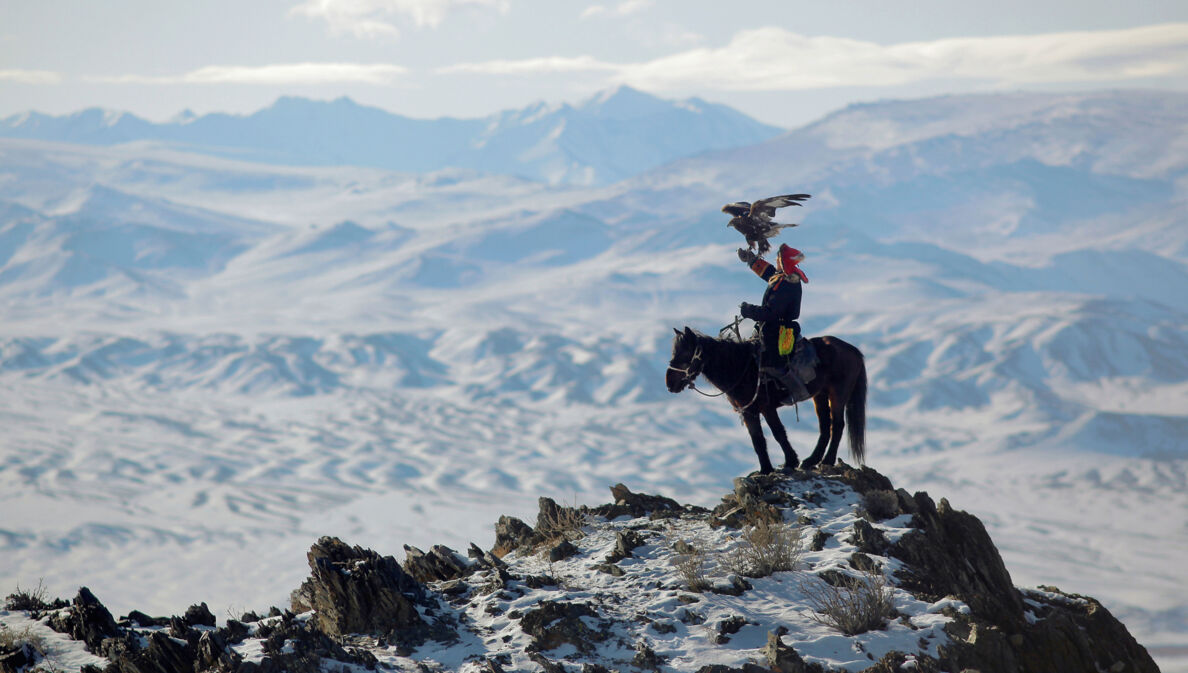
(800, 369)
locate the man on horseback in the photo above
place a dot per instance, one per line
(775, 319)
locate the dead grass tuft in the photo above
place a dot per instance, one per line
(859, 605)
(766, 547)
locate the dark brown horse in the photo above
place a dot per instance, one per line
(840, 385)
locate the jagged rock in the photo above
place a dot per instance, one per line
(781, 658)
(636, 505)
(868, 539)
(731, 625)
(86, 620)
(819, 539)
(162, 654)
(234, 631)
(484, 559)
(881, 504)
(664, 626)
(199, 615)
(610, 569)
(646, 658)
(546, 664)
(178, 628)
(138, 618)
(441, 563)
(562, 551)
(1072, 634)
(511, 534)
(355, 590)
(751, 503)
(16, 658)
(213, 653)
(950, 553)
(625, 541)
(862, 480)
(555, 623)
(864, 563)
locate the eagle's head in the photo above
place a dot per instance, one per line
(741, 222)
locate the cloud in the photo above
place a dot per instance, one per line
(370, 18)
(281, 74)
(532, 66)
(774, 59)
(30, 76)
(625, 8)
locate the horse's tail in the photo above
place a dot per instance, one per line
(856, 413)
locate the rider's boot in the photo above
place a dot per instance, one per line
(796, 390)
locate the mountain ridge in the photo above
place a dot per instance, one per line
(601, 140)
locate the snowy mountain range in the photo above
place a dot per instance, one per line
(206, 357)
(609, 137)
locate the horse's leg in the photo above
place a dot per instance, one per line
(837, 406)
(772, 416)
(751, 420)
(821, 404)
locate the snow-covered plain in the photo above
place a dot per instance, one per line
(206, 364)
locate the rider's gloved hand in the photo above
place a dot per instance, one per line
(749, 311)
(746, 256)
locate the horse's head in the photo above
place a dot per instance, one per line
(686, 362)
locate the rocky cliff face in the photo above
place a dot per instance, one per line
(810, 572)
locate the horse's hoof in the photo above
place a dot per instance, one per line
(790, 469)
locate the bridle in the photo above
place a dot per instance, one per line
(692, 370)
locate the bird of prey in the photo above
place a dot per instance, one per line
(753, 220)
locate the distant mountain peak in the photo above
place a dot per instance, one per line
(624, 102)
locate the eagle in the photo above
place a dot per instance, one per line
(754, 221)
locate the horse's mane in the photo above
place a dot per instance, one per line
(737, 352)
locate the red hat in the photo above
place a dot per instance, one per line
(788, 258)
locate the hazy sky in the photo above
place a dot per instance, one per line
(785, 62)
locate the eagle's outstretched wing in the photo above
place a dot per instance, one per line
(764, 209)
(737, 208)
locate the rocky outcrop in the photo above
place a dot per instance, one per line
(15, 658)
(86, 619)
(554, 623)
(950, 554)
(512, 534)
(589, 590)
(440, 564)
(1070, 634)
(636, 505)
(355, 590)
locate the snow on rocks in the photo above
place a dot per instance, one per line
(800, 573)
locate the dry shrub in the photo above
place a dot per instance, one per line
(766, 547)
(559, 522)
(11, 639)
(859, 605)
(30, 600)
(691, 567)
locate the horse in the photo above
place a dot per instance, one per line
(732, 366)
